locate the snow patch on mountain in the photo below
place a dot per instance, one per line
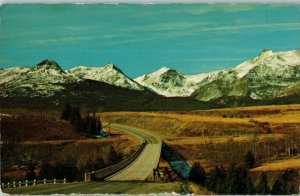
(109, 74)
(274, 60)
(167, 82)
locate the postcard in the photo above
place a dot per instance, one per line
(174, 98)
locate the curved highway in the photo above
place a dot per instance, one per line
(142, 167)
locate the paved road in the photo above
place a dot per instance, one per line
(143, 166)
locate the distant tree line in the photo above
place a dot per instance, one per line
(89, 124)
(236, 180)
(263, 150)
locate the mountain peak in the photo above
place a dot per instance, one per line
(265, 53)
(113, 67)
(164, 69)
(49, 64)
(110, 65)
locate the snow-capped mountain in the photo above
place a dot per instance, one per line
(170, 83)
(269, 76)
(109, 74)
(47, 78)
(167, 82)
(44, 79)
(264, 77)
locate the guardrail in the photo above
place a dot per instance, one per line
(15, 184)
(108, 171)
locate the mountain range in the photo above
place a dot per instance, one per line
(269, 76)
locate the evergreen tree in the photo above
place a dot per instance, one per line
(65, 115)
(69, 169)
(99, 163)
(92, 125)
(99, 125)
(238, 181)
(249, 160)
(89, 166)
(30, 175)
(220, 182)
(216, 180)
(197, 174)
(281, 185)
(46, 171)
(75, 115)
(278, 188)
(113, 157)
(262, 186)
(230, 179)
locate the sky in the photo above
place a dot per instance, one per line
(139, 39)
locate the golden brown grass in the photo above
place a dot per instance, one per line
(248, 120)
(279, 165)
(197, 190)
(220, 139)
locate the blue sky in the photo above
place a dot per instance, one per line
(142, 38)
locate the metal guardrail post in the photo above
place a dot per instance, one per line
(27, 183)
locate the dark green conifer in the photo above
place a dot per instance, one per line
(197, 174)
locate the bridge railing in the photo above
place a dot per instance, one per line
(108, 171)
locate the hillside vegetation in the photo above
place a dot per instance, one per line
(29, 141)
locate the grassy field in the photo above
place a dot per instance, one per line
(212, 136)
(248, 120)
(98, 187)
